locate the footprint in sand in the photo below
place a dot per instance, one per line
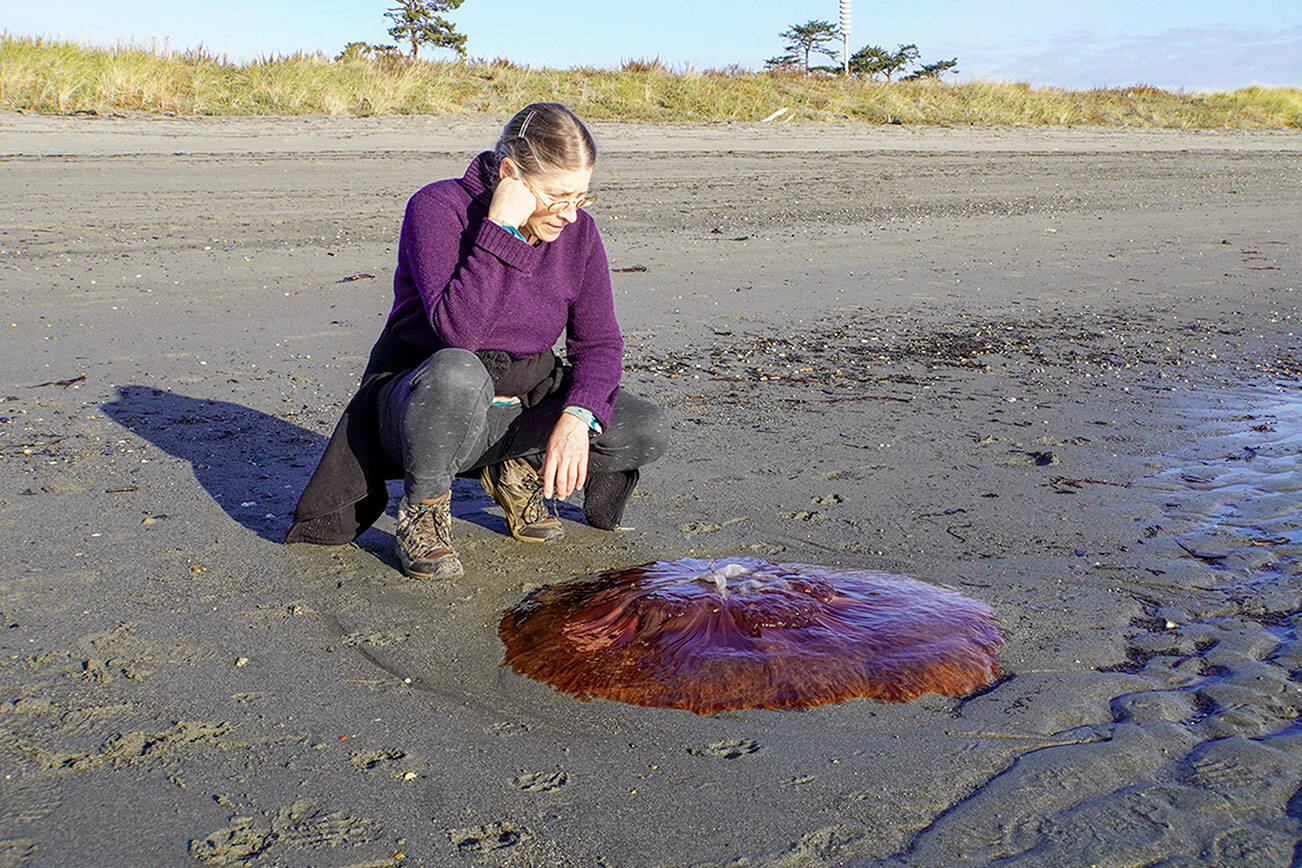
(698, 527)
(1251, 846)
(485, 839)
(1063, 441)
(242, 839)
(729, 748)
(767, 548)
(508, 727)
(541, 782)
(16, 851)
(828, 499)
(849, 472)
(371, 759)
(804, 515)
(374, 638)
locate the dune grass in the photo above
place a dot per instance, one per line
(56, 77)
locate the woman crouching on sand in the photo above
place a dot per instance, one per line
(492, 267)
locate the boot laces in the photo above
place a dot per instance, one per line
(535, 508)
(426, 529)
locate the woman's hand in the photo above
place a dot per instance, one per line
(565, 469)
(513, 203)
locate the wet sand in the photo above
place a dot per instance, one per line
(1056, 370)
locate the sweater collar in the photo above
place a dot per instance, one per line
(481, 174)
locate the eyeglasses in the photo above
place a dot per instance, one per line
(556, 206)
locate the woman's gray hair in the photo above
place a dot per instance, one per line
(547, 137)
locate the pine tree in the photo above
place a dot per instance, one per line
(802, 39)
(419, 22)
(933, 70)
(872, 60)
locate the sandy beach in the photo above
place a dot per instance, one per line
(1057, 370)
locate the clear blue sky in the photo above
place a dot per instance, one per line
(1189, 44)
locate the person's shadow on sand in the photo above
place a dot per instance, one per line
(255, 465)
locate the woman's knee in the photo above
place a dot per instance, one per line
(452, 376)
(640, 431)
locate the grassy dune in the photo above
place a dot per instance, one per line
(63, 78)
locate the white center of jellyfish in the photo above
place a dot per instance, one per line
(719, 577)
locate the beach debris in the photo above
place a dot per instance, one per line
(1080, 481)
(953, 510)
(630, 269)
(1205, 556)
(777, 114)
(740, 632)
(842, 398)
(71, 381)
(40, 448)
(361, 275)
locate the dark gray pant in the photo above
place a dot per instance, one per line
(439, 420)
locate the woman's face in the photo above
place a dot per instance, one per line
(558, 195)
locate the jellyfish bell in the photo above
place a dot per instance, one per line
(709, 636)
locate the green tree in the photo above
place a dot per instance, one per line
(807, 38)
(360, 51)
(783, 63)
(385, 52)
(354, 51)
(933, 70)
(419, 22)
(873, 60)
(869, 60)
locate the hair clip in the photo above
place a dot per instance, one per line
(524, 126)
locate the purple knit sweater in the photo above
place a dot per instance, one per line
(463, 281)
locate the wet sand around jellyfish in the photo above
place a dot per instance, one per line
(708, 636)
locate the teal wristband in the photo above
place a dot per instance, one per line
(586, 416)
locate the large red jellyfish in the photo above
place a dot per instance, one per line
(708, 636)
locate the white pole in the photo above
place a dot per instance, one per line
(845, 35)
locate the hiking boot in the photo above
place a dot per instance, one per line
(516, 487)
(423, 540)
